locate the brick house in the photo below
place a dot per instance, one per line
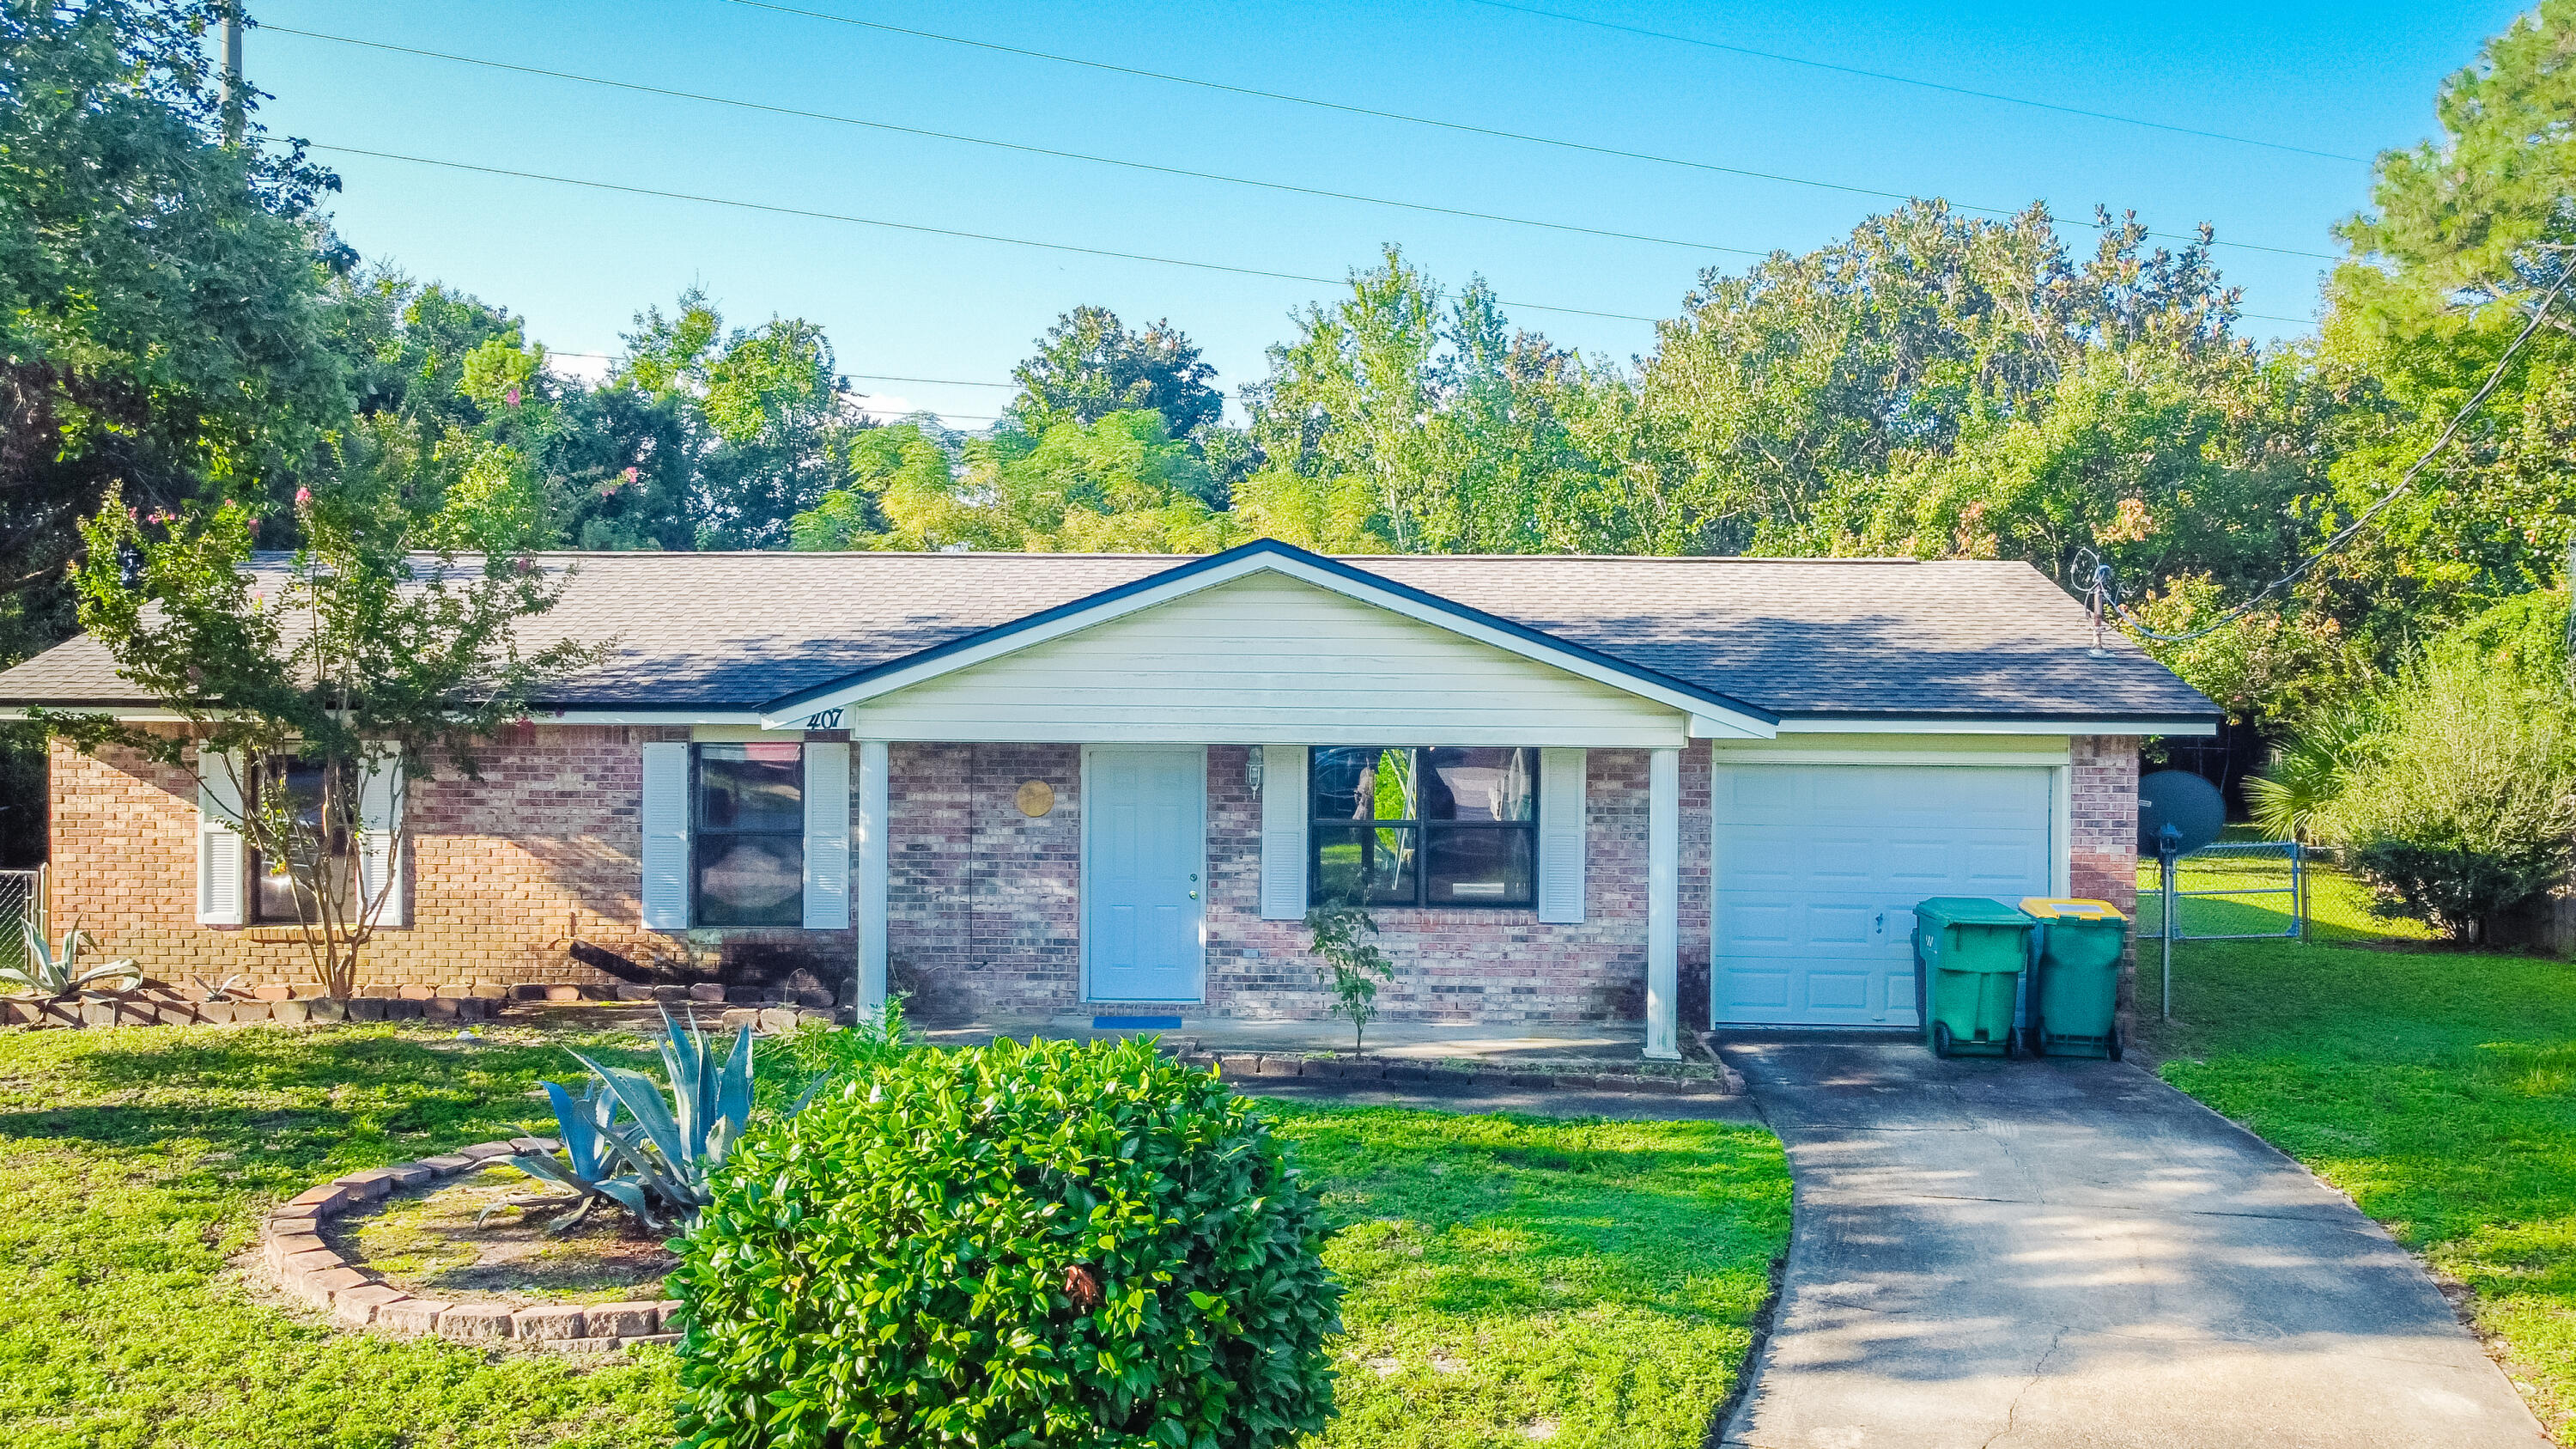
(1027, 785)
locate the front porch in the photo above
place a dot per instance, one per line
(978, 889)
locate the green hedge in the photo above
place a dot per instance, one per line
(1043, 1244)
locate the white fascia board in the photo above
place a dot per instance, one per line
(1993, 727)
(1153, 597)
(1712, 727)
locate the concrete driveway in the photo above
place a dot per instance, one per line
(2010, 1255)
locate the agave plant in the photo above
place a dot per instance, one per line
(625, 1144)
(43, 972)
(584, 1124)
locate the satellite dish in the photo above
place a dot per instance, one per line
(2179, 799)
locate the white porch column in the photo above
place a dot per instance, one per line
(1663, 905)
(868, 872)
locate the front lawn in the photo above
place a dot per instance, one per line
(2438, 1088)
(1509, 1278)
(1517, 1278)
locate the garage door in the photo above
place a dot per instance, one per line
(1818, 867)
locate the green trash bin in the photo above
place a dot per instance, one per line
(1969, 953)
(2075, 993)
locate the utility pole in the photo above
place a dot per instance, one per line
(232, 74)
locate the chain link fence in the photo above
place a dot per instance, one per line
(22, 902)
(2238, 890)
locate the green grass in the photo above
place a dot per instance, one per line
(1513, 1278)
(1507, 1274)
(133, 1167)
(2437, 1087)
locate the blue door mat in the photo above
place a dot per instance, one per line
(1135, 1023)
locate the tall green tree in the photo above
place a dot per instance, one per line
(160, 306)
(1121, 484)
(1779, 387)
(759, 419)
(161, 295)
(1401, 419)
(1089, 365)
(2464, 233)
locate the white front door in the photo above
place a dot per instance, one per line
(1144, 849)
(1818, 868)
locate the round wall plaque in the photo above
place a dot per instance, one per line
(1036, 798)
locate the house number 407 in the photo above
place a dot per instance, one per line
(829, 719)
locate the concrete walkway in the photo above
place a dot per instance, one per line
(2011, 1255)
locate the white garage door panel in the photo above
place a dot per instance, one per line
(1818, 868)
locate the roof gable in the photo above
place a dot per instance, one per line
(1712, 713)
(1261, 658)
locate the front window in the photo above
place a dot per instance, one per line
(748, 835)
(1413, 826)
(284, 889)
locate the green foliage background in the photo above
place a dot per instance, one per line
(1935, 384)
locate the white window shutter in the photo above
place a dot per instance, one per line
(223, 857)
(827, 837)
(1560, 836)
(381, 791)
(665, 818)
(1283, 832)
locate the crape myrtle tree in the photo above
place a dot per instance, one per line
(313, 687)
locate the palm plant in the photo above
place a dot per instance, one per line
(44, 972)
(2313, 768)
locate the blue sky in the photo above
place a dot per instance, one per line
(2350, 78)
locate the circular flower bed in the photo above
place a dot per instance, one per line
(440, 1276)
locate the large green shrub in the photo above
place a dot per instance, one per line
(2465, 805)
(1040, 1245)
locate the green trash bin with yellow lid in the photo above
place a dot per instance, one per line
(2075, 985)
(1969, 954)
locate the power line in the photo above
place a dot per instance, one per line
(945, 231)
(1458, 126)
(637, 86)
(2105, 590)
(1907, 80)
(813, 215)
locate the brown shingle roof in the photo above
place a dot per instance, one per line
(1794, 637)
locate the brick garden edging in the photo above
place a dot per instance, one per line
(161, 1007)
(291, 1245)
(767, 1009)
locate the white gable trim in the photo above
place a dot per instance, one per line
(797, 714)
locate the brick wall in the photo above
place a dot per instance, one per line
(984, 905)
(2103, 853)
(504, 874)
(983, 911)
(1453, 965)
(2103, 862)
